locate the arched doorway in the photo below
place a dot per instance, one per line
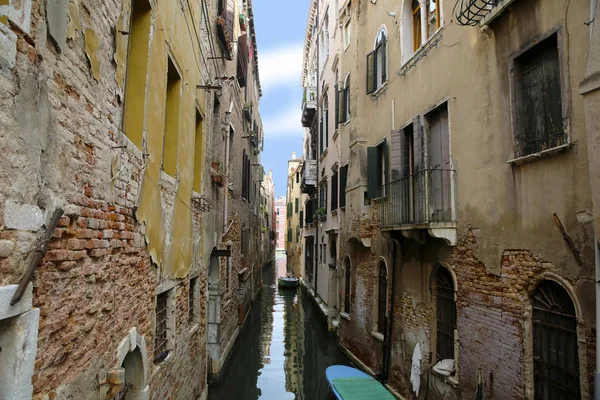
(555, 348)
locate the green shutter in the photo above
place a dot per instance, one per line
(337, 106)
(296, 201)
(373, 161)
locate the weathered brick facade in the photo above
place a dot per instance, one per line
(129, 231)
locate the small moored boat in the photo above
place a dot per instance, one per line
(288, 282)
(349, 383)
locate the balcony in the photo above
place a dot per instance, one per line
(309, 106)
(424, 200)
(309, 176)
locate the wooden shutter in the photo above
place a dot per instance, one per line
(418, 146)
(301, 218)
(396, 154)
(326, 125)
(383, 60)
(347, 98)
(373, 171)
(321, 148)
(337, 105)
(343, 184)
(242, 64)
(229, 14)
(371, 72)
(334, 191)
(296, 204)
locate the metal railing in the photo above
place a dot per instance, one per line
(422, 198)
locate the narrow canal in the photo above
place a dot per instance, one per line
(283, 349)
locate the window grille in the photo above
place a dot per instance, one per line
(382, 298)
(162, 315)
(347, 288)
(539, 105)
(192, 300)
(555, 352)
(446, 314)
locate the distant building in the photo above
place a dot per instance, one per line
(295, 217)
(280, 210)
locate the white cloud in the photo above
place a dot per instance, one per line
(281, 65)
(285, 123)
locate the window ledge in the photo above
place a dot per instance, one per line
(377, 336)
(451, 379)
(345, 316)
(335, 134)
(540, 155)
(323, 154)
(334, 212)
(379, 90)
(194, 328)
(421, 52)
(495, 12)
(346, 122)
(157, 366)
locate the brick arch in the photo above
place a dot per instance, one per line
(550, 276)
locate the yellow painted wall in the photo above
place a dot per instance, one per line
(170, 36)
(172, 109)
(137, 66)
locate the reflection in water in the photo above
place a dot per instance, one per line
(283, 350)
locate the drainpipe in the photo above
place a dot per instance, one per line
(389, 322)
(226, 125)
(316, 271)
(597, 375)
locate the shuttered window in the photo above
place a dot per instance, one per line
(341, 105)
(376, 170)
(347, 287)
(296, 205)
(334, 191)
(343, 184)
(301, 218)
(377, 64)
(539, 112)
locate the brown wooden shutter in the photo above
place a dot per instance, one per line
(373, 171)
(371, 72)
(396, 154)
(418, 145)
(242, 64)
(383, 60)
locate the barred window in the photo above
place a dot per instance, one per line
(446, 314)
(555, 349)
(162, 324)
(192, 297)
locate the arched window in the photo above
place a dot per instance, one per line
(347, 287)
(445, 314)
(416, 25)
(555, 351)
(377, 63)
(382, 284)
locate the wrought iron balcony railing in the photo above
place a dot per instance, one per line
(309, 105)
(309, 176)
(424, 198)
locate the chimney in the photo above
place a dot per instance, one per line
(293, 155)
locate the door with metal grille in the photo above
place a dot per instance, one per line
(446, 314)
(555, 354)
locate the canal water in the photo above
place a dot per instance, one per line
(283, 349)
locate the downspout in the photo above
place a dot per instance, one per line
(226, 125)
(389, 322)
(317, 160)
(597, 375)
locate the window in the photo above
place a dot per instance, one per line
(137, 69)
(171, 132)
(198, 156)
(193, 296)
(433, 16)
(377, 170)
(555, 347)
(416, 25)
(347, 35)
(347, 288)
(334, 191)
(382, 296)
(324, 124)
(445, 314)
(296, 205)
(244, 239)
(343, 184)
(323, 196)
(309, 212)
(301, 217)
(343, 101)
(377, 63)
(538, 99)
(297, 177)
(163, 325)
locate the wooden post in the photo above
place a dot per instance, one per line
(39, 253)
(568, 239)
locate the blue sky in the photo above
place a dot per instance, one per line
(280, 38)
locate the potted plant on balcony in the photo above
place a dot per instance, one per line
(248, 111)
(320, 215)
(217, 173)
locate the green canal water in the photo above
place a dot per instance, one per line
(283, 349)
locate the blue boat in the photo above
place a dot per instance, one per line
(349, 383)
